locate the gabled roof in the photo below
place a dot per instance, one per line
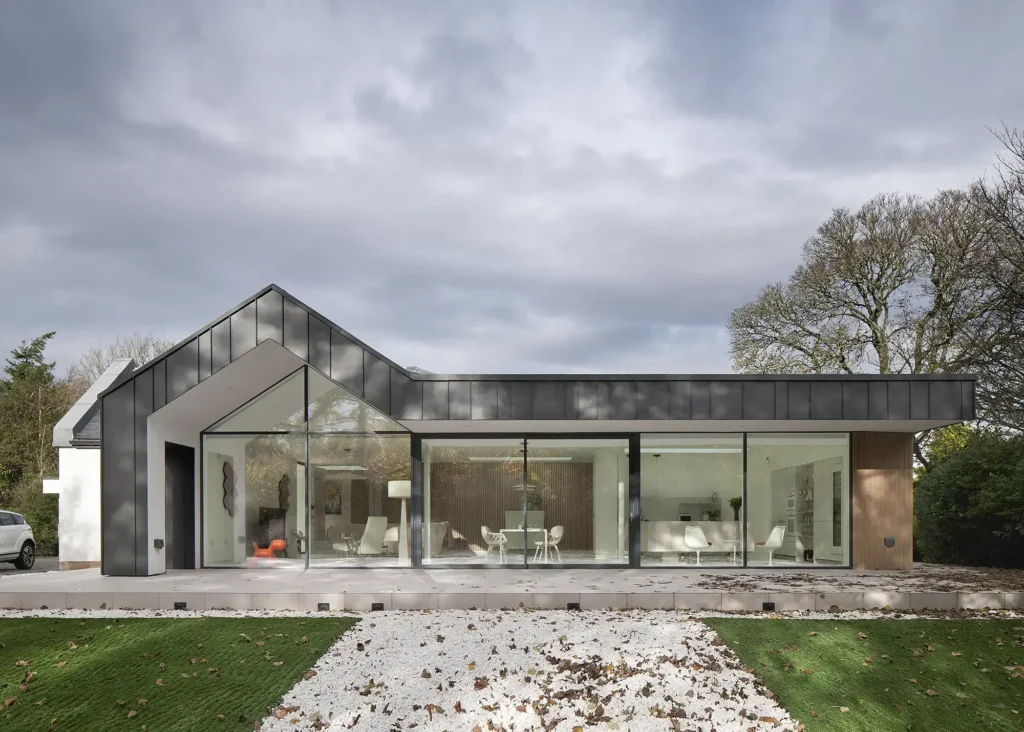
(928, 400)
(80, 426)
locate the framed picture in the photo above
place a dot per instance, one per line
(332, 500)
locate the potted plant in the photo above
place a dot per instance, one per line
(735, 503)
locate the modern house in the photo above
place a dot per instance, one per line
(273, 437)
(77, 485)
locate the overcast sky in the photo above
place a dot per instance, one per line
(468, 187)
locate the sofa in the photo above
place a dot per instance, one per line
(666, 537)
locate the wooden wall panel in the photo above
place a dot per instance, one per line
(471, 495)
(883, 496)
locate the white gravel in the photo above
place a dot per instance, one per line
(529, 670)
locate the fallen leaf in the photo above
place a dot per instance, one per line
(931, 692)
(61, 664)
(814, 713)
(159, 682)
(9, 701)
(844, 709)
(279, 663)
(22, 663)
(862, 636)
(132, 714)
(955, 653)
(472, 666)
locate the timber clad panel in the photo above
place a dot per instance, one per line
(470, 495)
(883, 492)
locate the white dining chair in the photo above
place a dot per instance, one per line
(695, 541)
(554, 536)
(494, 539)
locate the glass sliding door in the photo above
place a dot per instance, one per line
(798, 499)
(577, 502)
(691, 498)
(473, 501)
(359, 498)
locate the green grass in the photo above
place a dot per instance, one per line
(102, 674)
(897, 675)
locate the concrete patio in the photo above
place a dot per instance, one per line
(924, 587)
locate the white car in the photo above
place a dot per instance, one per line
(16, 542)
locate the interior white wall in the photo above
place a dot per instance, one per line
(78, 486)
(669, 477)
(224, 540)
(609, 482)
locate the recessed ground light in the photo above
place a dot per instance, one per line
(181, 606)
(768, 606)
(572, 606)
(323, 607)
(374, 606)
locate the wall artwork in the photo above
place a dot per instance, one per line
(332, 499)
(229, 489)
(283, 495)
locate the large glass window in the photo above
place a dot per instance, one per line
(359, 499)
(256, 506)
(566, 503)
(472, 501)
(254, 499)
(577, 501)
(691, 497)
(798, 499)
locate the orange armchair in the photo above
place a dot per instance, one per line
(277, 545)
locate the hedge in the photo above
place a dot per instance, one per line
(970, 506)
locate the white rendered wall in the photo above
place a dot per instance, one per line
(79, 504)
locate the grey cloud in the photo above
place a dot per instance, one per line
(398, 167)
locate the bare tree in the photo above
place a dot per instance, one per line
(894, 287)
(141, 347)
(1000, 360)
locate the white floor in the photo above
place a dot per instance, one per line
(529, 670)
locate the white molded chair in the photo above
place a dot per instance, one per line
(554, 536)
(372, 541)
(695, 541)
(774, 541)
(494, 539)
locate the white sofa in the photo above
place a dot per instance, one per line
(666, 537)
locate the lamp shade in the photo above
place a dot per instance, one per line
(399, 488)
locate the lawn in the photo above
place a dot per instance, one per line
(888, 674)
(154, 673)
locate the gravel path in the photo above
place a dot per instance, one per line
(526, 670)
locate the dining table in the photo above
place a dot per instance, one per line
(511, 532)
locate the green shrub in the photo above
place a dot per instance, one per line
(970, 506)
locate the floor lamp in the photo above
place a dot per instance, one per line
(401, 489)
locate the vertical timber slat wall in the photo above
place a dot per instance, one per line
(883, 500)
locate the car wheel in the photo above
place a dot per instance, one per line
(27, 557)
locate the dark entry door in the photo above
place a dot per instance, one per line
(179, 506)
